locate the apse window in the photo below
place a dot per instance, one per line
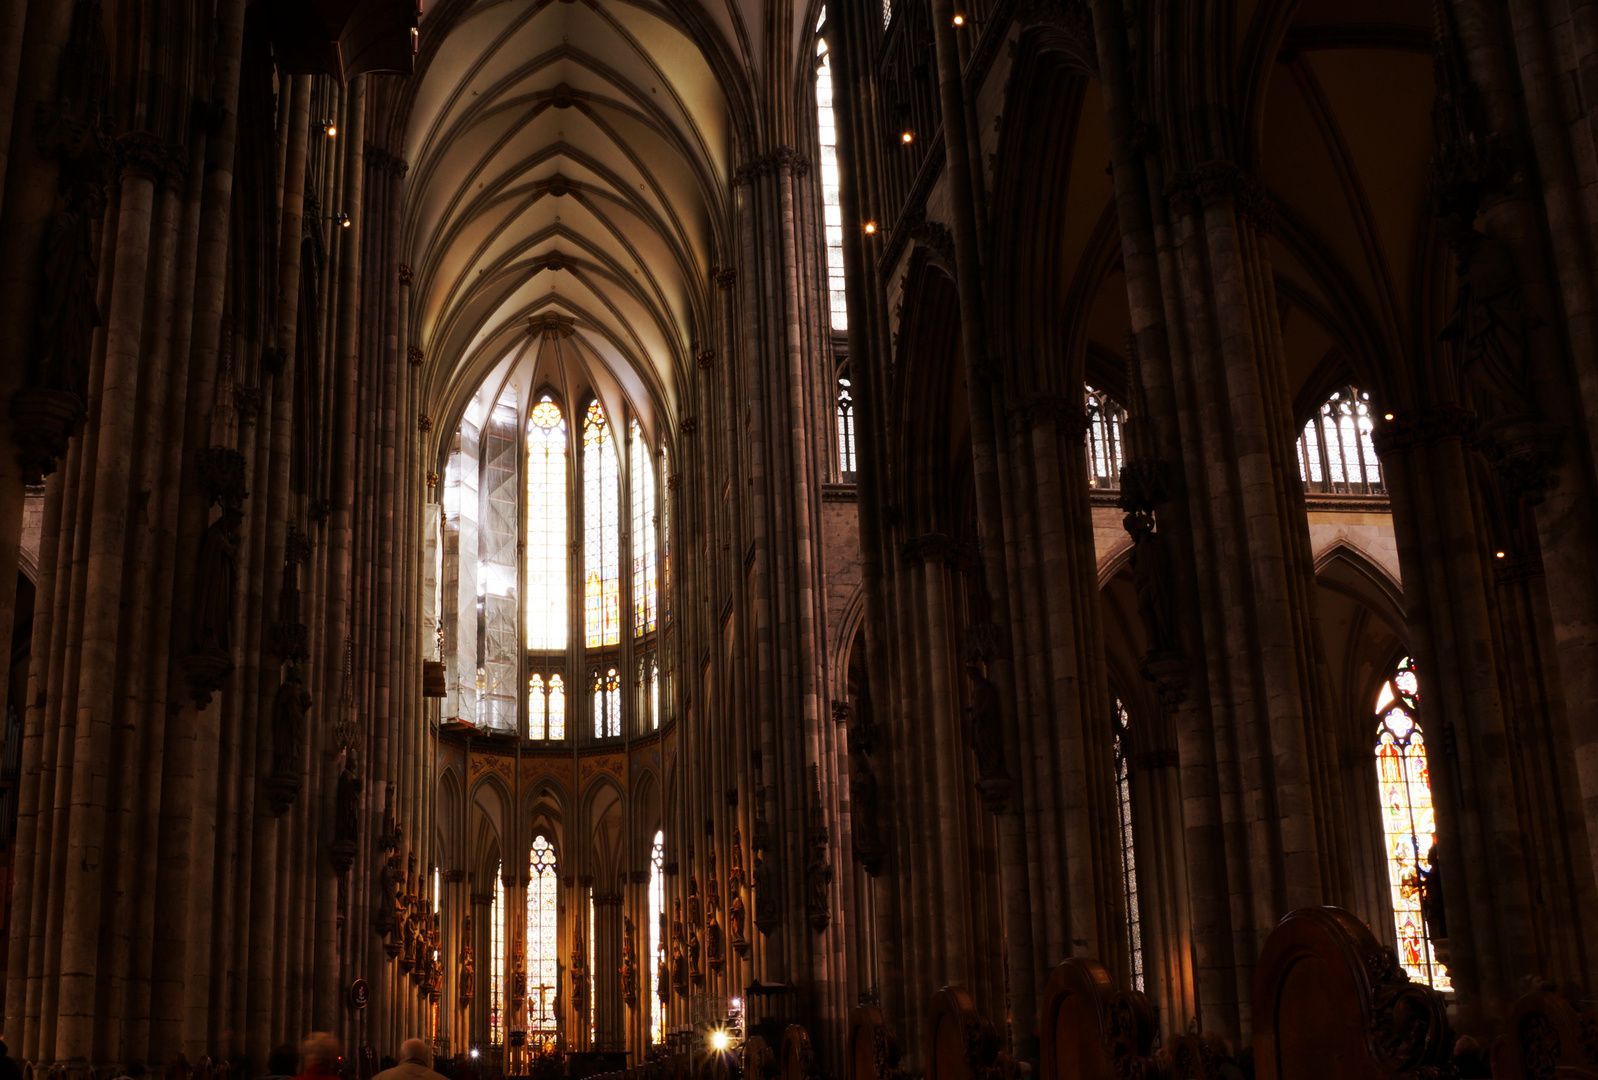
(542, 505)
(1105, 453)
(846, 455)
(543, 945)
(1337, 450)
(1409, 826)
(1123, 803)
(496, 959)
(657, 945)
(832, 211)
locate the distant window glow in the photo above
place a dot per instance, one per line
(1337, 450)
(1105, 454)
(602, 529)
(1123, 801)
(496, 959)
(547, 582)
(543, 945)
(846, 459)
(656, 915)
(645, 598)
(832, 211)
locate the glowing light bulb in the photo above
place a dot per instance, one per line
(719, 1040)
(1387, 416)
(1498, 555)
(871, 227)
(959, 20)
(907, 137)
(330, 129)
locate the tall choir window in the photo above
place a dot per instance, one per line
(496, 959)
(601, 530)
(1336, 452)
(1123, 803)
(846, 459)
(657, 945)
(1409, 823)
(827, 136)
(1105, 453)
(543, 947)
(645, 600)
(547, 584)
(532, 588)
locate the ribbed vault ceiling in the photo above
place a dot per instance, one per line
(573, 160)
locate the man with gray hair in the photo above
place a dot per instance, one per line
(415, 1063)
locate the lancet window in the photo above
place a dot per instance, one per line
(1105, 453)
(543, 945)
(496, 959)
(1337, 451)
(1123, 803)
(1409, 822)
(543, 506)
(657, 943)
(832, 211)
(846, 458)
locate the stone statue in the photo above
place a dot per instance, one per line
(695, 972)
(715, 939)
(216, 582)
(347, 823)
(765, 897)
(735, 871)
(1151, 577)
(662, 980)
(986, 734)
(679, 967)
(693, 901)
(864, 810)
(1491, 326)
(629, 962)
(468, 965)
(288, 722)
(736, 917)
(818, 881)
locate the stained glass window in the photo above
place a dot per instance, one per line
(601, 529)
(496, 959)
(546, 706)
(606, 685)
(845, 429)
(1123, 802)
(665, 538)
(593, 948)
(645, 600)
(1105, 456)
(543, 945)
(547, 582)
(1336, 452)
(657, 944)
(832, 212)
(496, 562)
(1409, 823)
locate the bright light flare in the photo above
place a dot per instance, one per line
(720, 1040)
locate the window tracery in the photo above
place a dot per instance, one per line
(832, 211)
(543, 946)
(1409, 821)
(496, 959)
(1105, 454)
(529, 516)
(846, 455)
(657, 948)
(1123, 802)
(1337, 450)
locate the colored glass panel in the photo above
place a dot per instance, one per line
(1409, 821)
(832, 211)
(657, 946)
(1337, 450)
(602, 530)
(645, 596)
(1123, 802)
(496, 959)
(543, 944)
(548, 585)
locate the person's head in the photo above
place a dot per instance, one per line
(284, 1060)
(416, 1050)
(321, 1048)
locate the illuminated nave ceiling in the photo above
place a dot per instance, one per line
(571, 160)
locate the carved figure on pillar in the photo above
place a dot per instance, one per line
(818, 867)
(468, 964)
(1151, 577)
(216, 582)
(864, 805)
(715, 938)
(735, 872)
(736, 917)
(347, 826)
(289, 708)
(629, 962)
(679, 958)
(1490, 324)
(986, 732)
(765, 896)
(693, 901)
